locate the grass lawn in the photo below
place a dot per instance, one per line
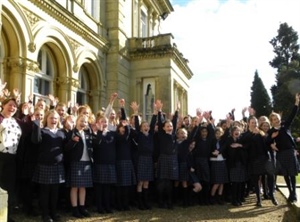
(298, 179)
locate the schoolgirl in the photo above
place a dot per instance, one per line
(257, 155)
(270, 177)
(218, 167)
(236, 156)
(284, 145)
(28, 153)
(184, 170)
(144, 141)
(104, 171)
(79, 151)
(167, 166)
(203, 138)
(49, 172)
(124, 166)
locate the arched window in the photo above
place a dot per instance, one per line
(43, 79)
(82, 96)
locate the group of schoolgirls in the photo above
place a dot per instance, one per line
(102, 152)
(243, 156)
(112, 154)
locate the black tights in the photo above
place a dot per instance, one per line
(165, 191)
(291, 184)
(103, 196)
(48, 198)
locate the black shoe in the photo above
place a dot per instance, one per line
(162, 206)
(77, 214)
(84, 212)
(101, 211)
(47, 219)
(274, 201)
(292, 198)
(235, 203)
(55, 217)
(109, 211)
(258, 204)
(126, 208)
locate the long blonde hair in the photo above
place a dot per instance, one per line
(51, 111)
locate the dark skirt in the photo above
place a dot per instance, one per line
(203, 169)
(80, 174)
(183, 172)
(104, 173)
(167, 167)
(125, 173)
(258, 166)
(218, 172)
(145, 171)
(238, 173)
(49, 174)
(288, 162)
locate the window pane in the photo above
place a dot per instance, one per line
(80, 98)
(36, 86)
(46, 88)
(49, 66)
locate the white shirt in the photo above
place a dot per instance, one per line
(10, 133)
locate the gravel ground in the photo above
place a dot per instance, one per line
(220, 213)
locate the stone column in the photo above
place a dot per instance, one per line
(3, 205)
(96, 100)
(63, 84)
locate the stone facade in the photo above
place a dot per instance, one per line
(82, 51)
(3, 205)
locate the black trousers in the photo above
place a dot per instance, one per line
(8, 176)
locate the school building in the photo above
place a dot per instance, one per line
(84, 50)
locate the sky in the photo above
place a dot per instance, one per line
(225, 42)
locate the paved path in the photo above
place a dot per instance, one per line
(285, 192)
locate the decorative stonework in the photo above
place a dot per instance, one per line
(32, 47)
(63, 80)
(32, 17)
(16, 63)
(72, 23)
(75, 83)
(32, 66)
(75, 45)
(75, 68)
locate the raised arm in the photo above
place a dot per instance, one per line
(110, 104)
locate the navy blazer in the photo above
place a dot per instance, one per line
(284, 140)
(74, 150)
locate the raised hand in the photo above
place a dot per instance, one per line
(122, 103)
(113, 97)
(2, 85)
(135, 107)
(158, 105)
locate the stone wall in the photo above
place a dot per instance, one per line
(3, 205)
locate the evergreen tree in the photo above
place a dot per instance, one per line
(260, 99)
(287, 62)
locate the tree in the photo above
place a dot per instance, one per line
(260, 99)
(287, 63)
(285, 47)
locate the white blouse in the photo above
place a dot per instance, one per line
(10, 134)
